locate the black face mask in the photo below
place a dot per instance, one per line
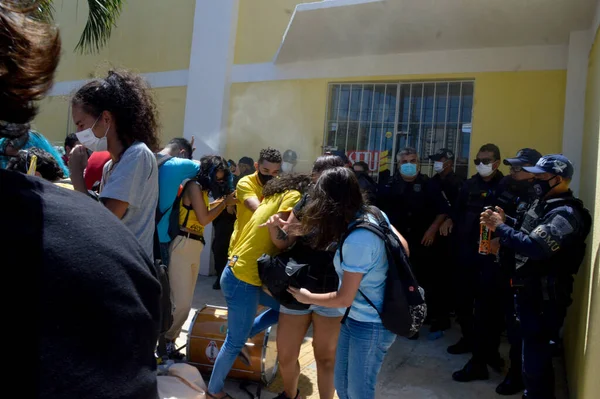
(520, 186)
(543, 187)
(264, 179)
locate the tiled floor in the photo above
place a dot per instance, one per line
(418, 369)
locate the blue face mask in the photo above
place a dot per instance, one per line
(408, 169)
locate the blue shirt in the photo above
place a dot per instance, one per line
(365, 253)
(170, 176)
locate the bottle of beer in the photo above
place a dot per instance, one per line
(485, 237)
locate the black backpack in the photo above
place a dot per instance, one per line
(404, 309)
(301, 267)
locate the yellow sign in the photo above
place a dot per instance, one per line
(388, 135)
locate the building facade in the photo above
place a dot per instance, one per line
(369, 77)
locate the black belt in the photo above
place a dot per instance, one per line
(193, 236)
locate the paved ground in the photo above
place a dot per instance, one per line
(412, 370)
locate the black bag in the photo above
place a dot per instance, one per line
(166, 307)
(404, 309)
(299, 267)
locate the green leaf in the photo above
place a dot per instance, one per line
(102, 18)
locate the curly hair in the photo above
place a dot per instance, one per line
(298, 182)
(128, 98)
(29, 55)
(335, 201)
(46, 164)
(270, 155)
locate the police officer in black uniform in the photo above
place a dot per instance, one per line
(449, 184)
(477, 276)
(549, 248)
(417, 209)
(515, 196)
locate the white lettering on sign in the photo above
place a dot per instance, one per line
(548, 239)
(212, 351)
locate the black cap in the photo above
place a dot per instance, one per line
(246, 161)
(442, 153)
(523, 157)
(557, 164)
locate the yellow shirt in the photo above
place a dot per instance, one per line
(187, 212)
(248, 187)
(255, 241)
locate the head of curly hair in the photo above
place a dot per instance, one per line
(128, 98)
(270, 155)
(29, 55)
(281, 184)
(46, 164)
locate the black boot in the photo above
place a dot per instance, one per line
(461, 347)
(512, 384)
(471, 372)
(217, 284)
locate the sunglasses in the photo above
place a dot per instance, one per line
(516, 169)
(485, 161)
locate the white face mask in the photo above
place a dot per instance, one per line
(286, 167)
(88, 139)
(485, 170)
(438, 166)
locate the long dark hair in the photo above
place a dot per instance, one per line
(325, 162)
(128, 98)
(335, 201)
(298, 182)
(209, 166)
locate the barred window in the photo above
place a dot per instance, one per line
(371, 122)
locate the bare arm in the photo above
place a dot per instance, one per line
(252, 203)
(402, 240)
(115, 206)
(342, 298)
(194, 195)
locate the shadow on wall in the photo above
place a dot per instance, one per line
(277, 115)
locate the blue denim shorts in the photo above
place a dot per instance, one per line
(320, 310)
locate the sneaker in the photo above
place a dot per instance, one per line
(461, 347)
(173, 351)
(471, 372)
(282, 395)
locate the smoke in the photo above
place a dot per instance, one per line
(282, 115)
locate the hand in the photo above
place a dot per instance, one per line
(276, 221)
(491, 219)
(446, 227)
(302, 295)
(230, 200)
(192, 145)
(502, 214)
(495, 246)
(429, 237)
(78, 159)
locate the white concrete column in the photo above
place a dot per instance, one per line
(577, 66)
(207, 100)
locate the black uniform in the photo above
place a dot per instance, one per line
(450, 186)
(477, 275)
(412, 207)
(549, 248)
(514, 197)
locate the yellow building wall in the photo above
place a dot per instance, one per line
(54, 119)
(582, 334)
(264, 22)
(151, 36)
(511, 109)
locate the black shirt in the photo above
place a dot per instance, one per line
(95, 312)
(449, 185)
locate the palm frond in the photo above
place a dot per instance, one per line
(44, 10)
(102, 18)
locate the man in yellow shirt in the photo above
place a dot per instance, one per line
(250, 189)
(240, 281)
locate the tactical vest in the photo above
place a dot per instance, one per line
(409, 208)
(479, 195)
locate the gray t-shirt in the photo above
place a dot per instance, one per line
(134, 179)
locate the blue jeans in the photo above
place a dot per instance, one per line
(361, 349)
(242, 304)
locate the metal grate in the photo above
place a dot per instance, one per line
(371, 122)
